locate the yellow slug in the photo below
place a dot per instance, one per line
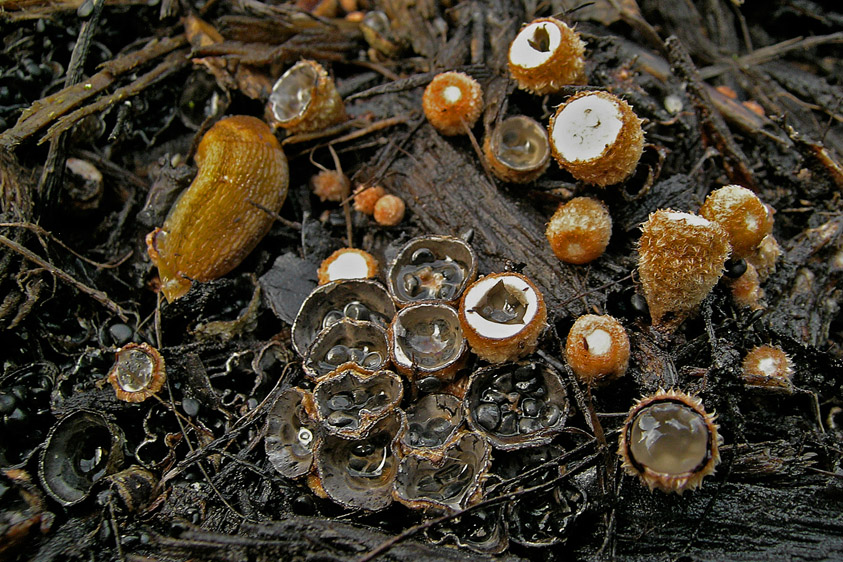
(226, 211)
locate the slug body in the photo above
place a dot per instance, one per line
(228, 208)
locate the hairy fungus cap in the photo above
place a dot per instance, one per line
(579, 230)
(347, 263)
(517, 150)
(365, 198)
(305, 99)
(547, 55)
(597, 138)
(741, 214)
(330, 185)
(669, 442)
(597, 349)
(769, 367)
(452, 102)
(680, 259)
(389, 210)
(502, 316)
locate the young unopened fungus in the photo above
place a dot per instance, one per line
(347, 263)
(579, 230)
(680, 259)
(741, 214)
(365, 198)
(389, 210)
(597, 349)
(330, 185)
(769, 367)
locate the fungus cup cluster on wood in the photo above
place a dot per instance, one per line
(480, 388)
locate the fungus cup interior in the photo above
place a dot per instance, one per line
(292, 93)
(521, 143)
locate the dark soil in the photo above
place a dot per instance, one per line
(134, 97)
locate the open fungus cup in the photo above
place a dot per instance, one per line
(597, 138)
(347, 342)
(358, 472)
(433, 423)
(436, 268)
(305, 99)
(516, 405)
(292, 433)
(502, 317)
(517, 150)
(547, 55)
(349, 401)
(426, 340)
(138, 372)
(451, 483)
(355, 299)
(669, 442)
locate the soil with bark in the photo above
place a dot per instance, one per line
(729, 93)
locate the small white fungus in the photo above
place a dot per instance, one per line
(599, 342)
(585, 127)
(495, 330)
(348, 265)
(522, 51)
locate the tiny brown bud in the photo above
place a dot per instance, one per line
(389, 210)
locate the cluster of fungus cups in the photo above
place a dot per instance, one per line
(358, 438)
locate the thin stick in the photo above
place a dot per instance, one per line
(39, 230)
(386, 545)
(97, 295)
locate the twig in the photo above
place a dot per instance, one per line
(386, 545)
(714, 129)
(173, 63)
(96, 294)
(54, 166)
(46, 110)
(199, 464)
(120, 555)
(771, 52)
(38, 230)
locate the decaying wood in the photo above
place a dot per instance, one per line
(448, 193)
